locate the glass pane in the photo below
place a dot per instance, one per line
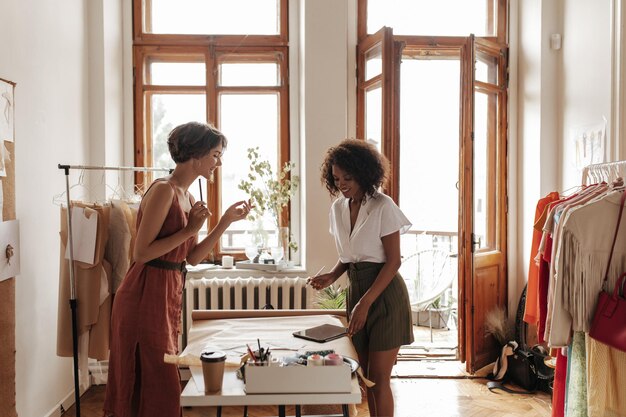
(178, 73)
(167, 112)
(434, 18)
(486, 68)
(214, 17)
(429, 143)
(249, 74)
(485, 183)
(429, 166)
(373, 116)
(259, 128)
(373, 63)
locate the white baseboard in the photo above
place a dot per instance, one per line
(64, 404)
(98, 377)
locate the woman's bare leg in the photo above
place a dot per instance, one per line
(379, 372)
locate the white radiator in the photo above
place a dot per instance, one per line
(244, 294)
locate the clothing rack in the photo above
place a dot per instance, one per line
(73, 305)
(607, 171)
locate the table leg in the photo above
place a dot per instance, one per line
(281, 411)
(298, 411)
(346, 410)
(245, 411)
(219, 411)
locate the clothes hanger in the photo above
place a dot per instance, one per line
(61, 199)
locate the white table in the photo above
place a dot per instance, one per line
(230, 330)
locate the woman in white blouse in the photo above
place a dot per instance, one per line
(367, 225)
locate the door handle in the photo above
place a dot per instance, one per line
(475, 243)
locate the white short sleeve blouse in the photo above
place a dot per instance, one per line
(379, 216)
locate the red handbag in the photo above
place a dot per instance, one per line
(609, 320)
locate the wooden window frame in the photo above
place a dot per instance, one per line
(500, 21)
(212, 50)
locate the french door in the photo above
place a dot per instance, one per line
(477, 157)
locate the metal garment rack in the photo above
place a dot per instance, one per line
(607, 171)
(73, 305)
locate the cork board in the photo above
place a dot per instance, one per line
(7, 294)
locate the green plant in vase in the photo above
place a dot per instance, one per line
(270, 193)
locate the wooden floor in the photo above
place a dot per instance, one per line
(414, 397)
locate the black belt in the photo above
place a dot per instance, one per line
(171, 266)
(359, 266)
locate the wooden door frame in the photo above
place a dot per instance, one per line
(474, 357)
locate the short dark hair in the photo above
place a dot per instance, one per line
(360, 159)
(193, 140)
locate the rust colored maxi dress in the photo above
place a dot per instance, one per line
(144, 326)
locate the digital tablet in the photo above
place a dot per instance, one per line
(321, 334)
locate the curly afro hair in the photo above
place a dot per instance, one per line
(361, 160)
(193, 140)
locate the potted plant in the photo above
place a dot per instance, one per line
(270, 193)
(331, 297)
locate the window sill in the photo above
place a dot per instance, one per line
(225, 273)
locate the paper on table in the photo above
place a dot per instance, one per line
(84, 231)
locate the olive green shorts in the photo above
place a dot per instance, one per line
(389, 323)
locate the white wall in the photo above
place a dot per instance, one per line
(66, 59)
(325, 65)
(586, 75)
(537, 125)
(44, 51)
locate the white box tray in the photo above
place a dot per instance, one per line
(298, 379)
(262, 267)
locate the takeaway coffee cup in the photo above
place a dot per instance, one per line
(213, 370)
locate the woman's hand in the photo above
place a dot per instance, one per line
(319, 282)
(238, 211)
(197, 216)
(358, 318)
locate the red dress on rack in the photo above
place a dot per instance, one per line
(144, 326)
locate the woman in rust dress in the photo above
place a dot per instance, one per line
(147, 306)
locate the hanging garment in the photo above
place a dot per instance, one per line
(606, 379)
(586, 241)
(531, 310)
(88, 279)
(144, 327)
(557, 218)
(118, 247)
(576, 397)
(559, 388)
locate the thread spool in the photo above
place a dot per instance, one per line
(315, 360)
(333, 359)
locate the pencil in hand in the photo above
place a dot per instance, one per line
(308, 281)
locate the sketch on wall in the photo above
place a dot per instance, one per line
(590, 144)
(6, 111)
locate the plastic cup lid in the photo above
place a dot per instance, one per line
(217, 356)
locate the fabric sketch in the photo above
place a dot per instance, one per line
(6, 111)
